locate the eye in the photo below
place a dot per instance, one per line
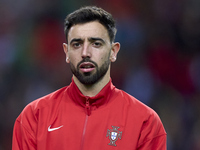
(97, 44)
(76, 45)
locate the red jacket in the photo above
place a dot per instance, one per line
(68, 120)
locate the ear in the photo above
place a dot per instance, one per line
(65, 48)
(115, 49)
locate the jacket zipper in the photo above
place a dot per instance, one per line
(84, 130)
(88, 112)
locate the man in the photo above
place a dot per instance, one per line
(90, 113)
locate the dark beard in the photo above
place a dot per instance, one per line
(89, 78)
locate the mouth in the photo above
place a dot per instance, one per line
(87, 67)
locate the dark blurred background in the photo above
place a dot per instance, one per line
(159, 61)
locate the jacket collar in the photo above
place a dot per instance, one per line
(91, 103)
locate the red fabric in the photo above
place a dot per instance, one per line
(138, 126)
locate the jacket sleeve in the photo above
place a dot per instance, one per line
(24, 132)
(153, 135)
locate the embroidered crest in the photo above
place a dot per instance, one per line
(113, 135)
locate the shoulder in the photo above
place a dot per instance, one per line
(148, 116)
(133, 102)
(149, 121)
(49, 99)
(46, 102)
(136, 109)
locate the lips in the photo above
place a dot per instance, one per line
(87, 67)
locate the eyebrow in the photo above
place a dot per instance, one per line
(96, 39)
(75, 40)
(91, 39)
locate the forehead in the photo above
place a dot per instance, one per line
(87, 30)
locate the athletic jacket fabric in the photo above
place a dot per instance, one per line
(68, 120)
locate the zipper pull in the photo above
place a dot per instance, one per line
(88, 110)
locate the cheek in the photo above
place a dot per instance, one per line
(104, 59)
(73, 60)
(72, 56)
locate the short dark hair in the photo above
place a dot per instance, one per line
(89, 14)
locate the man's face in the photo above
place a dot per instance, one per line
(88, 51)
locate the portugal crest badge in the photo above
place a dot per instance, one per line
(113, 135)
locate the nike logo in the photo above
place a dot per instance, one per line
(53, 129)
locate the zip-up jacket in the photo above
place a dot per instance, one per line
(68, 120)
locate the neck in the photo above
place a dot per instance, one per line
(94, 89)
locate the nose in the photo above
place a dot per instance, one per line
(86, 52)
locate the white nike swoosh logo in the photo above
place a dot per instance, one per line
(52, 129)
